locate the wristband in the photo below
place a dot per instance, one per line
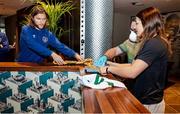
(107, 72)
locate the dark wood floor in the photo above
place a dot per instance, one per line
(172, 94)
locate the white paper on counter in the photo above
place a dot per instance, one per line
(89, 81)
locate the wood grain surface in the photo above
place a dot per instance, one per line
(27, 66)
(110, 100)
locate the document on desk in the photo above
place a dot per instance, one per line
(96, 81)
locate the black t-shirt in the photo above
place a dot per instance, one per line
(148, 86)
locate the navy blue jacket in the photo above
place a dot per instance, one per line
(4, 44)
(34, 45)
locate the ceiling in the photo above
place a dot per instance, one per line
(165, 6)
(9, 7)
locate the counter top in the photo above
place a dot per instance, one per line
(110, 100)
(27, 66)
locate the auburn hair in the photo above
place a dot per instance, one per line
(37, 9)
(153, 25)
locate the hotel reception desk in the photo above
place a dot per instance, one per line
(36, 93)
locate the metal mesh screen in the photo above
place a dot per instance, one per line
(98, 27)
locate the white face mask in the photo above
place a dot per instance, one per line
(133, 36)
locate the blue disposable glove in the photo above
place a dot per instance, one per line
(101, 61)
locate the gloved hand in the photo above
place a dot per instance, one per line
(101, 61)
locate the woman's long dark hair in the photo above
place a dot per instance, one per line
(153, 25)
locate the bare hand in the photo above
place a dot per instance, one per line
(78, 57)
(1, 46)
(57, 58)
(103, 70)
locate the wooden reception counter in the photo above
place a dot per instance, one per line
(26, 66)
(111, 100)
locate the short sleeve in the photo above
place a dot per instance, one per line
(151, 50)
(123, 46)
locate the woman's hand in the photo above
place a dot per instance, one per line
(78, 57)
(57, 58)
(104, 70)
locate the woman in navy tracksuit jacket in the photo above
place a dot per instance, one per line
(35, 39)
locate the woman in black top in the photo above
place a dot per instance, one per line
(149, 66)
